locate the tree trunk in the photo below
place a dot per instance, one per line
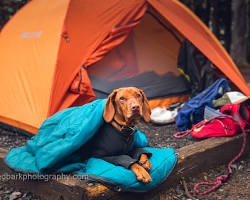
(239, 31)
(221, 21)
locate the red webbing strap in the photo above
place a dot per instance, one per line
(184, 133)
(223, 178)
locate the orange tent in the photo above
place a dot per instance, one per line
(48, 46)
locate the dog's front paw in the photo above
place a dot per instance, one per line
(141, 174)
(144, 162)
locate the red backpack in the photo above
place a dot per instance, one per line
(216, 127)
(240, 112)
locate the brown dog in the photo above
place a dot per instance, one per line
(124, 108)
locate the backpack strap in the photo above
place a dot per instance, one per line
(184, 133)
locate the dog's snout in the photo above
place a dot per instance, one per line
(135, 108)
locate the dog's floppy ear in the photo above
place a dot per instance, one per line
(109, 109)
(146, 111)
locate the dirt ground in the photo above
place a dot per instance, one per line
(237, 188)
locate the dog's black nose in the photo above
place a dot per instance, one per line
(135, 108)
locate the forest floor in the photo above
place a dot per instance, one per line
(237, 188)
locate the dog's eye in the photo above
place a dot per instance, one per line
(138, 95)
(122, 98)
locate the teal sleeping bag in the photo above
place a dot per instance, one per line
(55, 150)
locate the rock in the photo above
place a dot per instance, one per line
(240, 167)
(27, 195)
(15, 195)
(90, 184)
(234, 166)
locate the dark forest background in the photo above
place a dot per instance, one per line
(229, 20)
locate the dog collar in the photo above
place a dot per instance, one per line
(126, 130)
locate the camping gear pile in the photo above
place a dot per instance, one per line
(201, 109)
(233, 117)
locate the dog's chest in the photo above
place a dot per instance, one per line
(109, 141)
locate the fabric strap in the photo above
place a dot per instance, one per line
(223, 178)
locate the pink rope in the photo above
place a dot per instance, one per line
(221, 179)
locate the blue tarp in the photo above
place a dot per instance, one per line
(54, 150)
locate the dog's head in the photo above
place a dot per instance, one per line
(127, 106)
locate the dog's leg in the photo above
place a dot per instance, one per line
(141, 174)
(145, 162)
